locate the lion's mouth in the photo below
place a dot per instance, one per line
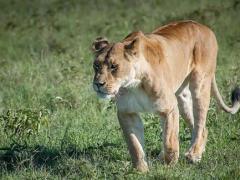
(102, 93)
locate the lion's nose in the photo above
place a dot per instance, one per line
(100, 84)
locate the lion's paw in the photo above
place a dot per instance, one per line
(193, 158)
(168, 158)
(142, 167)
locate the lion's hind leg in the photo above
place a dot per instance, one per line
(200, 87)
(185, 106)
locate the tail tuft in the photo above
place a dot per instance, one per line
(235, 95)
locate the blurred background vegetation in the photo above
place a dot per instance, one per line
(53, 125)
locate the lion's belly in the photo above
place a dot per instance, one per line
(135, 100)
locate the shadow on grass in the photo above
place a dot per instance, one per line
(88, 152)
(18, 157)
(38, 157)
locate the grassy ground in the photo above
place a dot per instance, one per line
(46, 74)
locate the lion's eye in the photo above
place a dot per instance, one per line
(114, 67)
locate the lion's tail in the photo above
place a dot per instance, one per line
(235, 98)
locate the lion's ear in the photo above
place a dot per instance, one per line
(133, 47)
(133, 42)
(99, 44)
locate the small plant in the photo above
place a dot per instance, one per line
(20, 124)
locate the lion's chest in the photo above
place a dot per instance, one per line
(135, 100)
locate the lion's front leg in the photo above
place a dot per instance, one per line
(133, 131)
(170, 152)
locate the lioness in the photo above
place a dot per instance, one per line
(169, 70)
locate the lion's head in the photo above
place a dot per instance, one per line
(114, 64)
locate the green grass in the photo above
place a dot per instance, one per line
(46, 63)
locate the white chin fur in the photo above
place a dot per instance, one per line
(131, 81)
(105, 96)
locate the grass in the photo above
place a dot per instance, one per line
(46, 64)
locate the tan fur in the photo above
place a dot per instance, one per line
(168, 70)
